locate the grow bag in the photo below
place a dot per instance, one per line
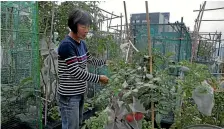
(166, 121)
(89, 113)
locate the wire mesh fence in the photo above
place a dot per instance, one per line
(165, 38)
(19, 65)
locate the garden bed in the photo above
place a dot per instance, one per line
(57, 124)
(15, 123)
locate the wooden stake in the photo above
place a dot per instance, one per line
(150, 56)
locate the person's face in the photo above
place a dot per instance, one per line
(83, 31)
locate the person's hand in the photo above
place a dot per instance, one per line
(104, 79)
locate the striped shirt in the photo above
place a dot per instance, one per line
(72, 67)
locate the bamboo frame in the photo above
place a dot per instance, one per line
(198, 34)
(150, 56)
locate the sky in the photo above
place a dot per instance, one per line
(177, 9)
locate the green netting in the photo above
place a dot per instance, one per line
(20, 65)
(166, 38)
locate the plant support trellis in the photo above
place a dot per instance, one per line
(20, 64)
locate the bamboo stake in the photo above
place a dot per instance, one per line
(121, 30)
(127, 36)
(49, 64)
(126, 19)
(150, 56)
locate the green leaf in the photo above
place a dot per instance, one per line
(137, 80)
(163, 112)
(135, 90)
(149, 76)
(157, 79)
(137, 106)
(158, 118)
(113, 76)
(13, 99)
(139, 83)
(150, 86)
(125, 84)
(83, 127)
(26, 81)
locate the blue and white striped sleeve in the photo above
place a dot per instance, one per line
(66, 51)
(94, 61)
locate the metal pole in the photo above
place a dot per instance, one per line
(198, 51)
(214, 43)
(117, 35)
(135, 33)
(107, 25)
(101, 26)
(219, 44)
(181, 29)
(150, 56)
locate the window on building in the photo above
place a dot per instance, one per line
(144, 21)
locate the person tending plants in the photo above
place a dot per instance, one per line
(72, 62)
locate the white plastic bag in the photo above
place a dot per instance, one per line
(204, 98)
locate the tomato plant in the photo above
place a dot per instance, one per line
(169, 93)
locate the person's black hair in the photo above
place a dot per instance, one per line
(76, 17)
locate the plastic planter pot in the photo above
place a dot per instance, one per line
(89, 113)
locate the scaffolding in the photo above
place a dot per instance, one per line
(210, 39)
(206, 46)
(20, 65)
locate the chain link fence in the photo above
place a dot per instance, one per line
(20, 65)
